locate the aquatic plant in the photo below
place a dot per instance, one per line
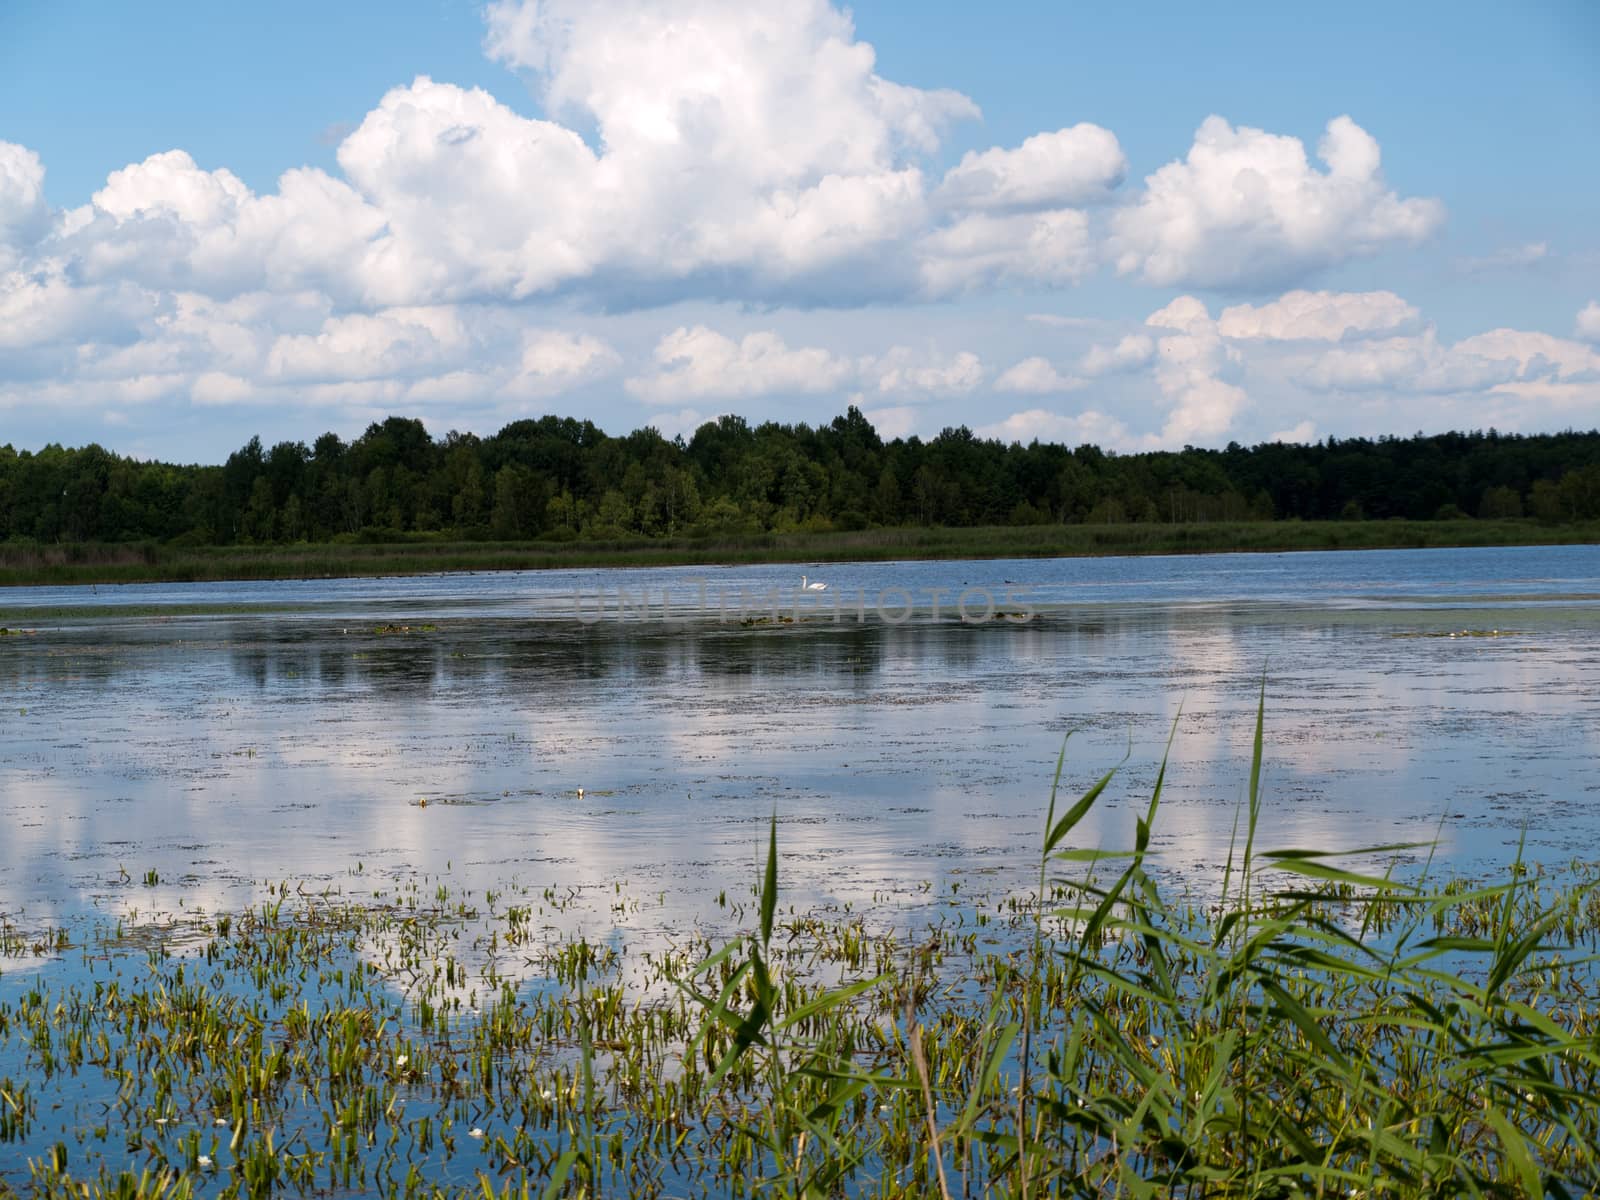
(1309, 1027)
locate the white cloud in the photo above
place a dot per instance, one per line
(1423, 364)
(900, 371)
(1185, 313)
(398, 341)
(747, 154)
(741, 151)
(167, 223)
(1078, 165)
(1588, 323)
(446, 354)
(751, 136)
(23, 211)
(1038, 424)
(216, 389)
(896, 421)
(771, 91)
(1190, 368)
(478, 200)
(554, 360)
(984, 251)
(1535, 355)
(702, 363)
(1302, 434)
(1247, 209)
(1318, 316)
(1411, 364)
(1036, 376)
(1132, 352)
(170, 184)
(43, 308)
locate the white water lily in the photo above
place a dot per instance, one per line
(476, 1133)
(401, 1060)
(204, 1160)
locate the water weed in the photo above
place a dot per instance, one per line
(1306, 1024)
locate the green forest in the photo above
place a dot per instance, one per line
(561, 479)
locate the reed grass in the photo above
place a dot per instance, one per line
(87, 563)
(1308, 1027)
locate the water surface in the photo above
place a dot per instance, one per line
(443, 725)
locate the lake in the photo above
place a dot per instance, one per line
(305, 880)
(229, 736)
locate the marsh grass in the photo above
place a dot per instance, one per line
(86, 563)
(1309, 1027)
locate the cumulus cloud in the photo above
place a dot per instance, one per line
(1192, 363)
(895, 421)
(1039, 424)
(1302, 434)
(1132, 352)
(901, 371)
(43, 310)
(553, 360)
(741, 152)
(755, 136)
(1082, 164)
(24, 214)
(984, 251)
(1318, 316)
(1535, 355)
(1548, 378)
(215, 389)
(702, 363)
(1353, 362)
(1036, 376)
(1424, 364)
(1247, 209)
(400, 341)
(720, 151)
(1588, 323)
(167, 223)
(1185, 313)
(1414, 364)
(263, 348)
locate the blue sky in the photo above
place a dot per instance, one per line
(662, 211)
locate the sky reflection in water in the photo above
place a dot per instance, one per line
(228, 750)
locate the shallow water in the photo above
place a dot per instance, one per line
(298, 739)
(173, 751)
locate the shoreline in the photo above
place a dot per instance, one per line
(94, 564)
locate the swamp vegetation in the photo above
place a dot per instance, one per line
(1301, 1028)
(149, 562)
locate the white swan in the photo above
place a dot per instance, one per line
(812, 587)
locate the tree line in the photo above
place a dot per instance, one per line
(560, 478)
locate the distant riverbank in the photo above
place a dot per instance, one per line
(84, 563)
